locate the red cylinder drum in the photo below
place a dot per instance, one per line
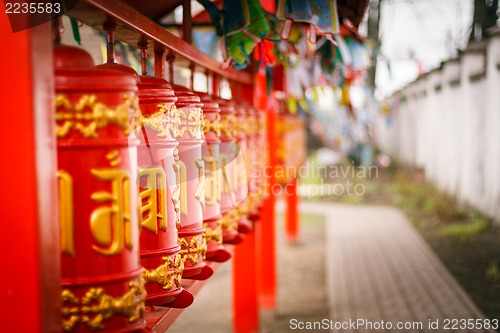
(191, 175)
(263, 156)
(242, 165)
(213, 180)
(253, 166)
(228, 203)
(96, 113)
(157, 181)
(281, 157)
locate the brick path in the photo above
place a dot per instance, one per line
(379, 268)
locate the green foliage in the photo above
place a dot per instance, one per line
(465, 231)
(493, 272)
(312, 178)
(418, 196)
(352, 199)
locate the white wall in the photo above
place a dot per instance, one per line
(448, 123)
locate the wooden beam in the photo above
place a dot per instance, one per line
(133, 27)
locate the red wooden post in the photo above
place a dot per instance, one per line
(29, 241)
(159, 63)
(245, 296)
(187, 33)
(292, 214)
(266, 228)
(245, 305)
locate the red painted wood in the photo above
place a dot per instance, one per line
(267, 255)
(133, 27)
(292, 211)
(245, 302)
(29, 241)
(187, 33)
(266, 232)
(159, 56)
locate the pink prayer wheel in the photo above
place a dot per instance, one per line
(254, 165)
(263, 156)
(191, 175)
(242, 165)
(228, 152)
(213, 180)
(157, 182)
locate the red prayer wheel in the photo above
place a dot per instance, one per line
(191, 175)
(228, 149)
(281, 146)
(242, 165)
(213, 180)
(157, 181)
(253, 167)
(263, 156)
(96, 114)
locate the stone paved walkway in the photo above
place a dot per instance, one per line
(376, 267)
(379, 268)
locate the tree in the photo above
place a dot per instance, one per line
(485, 16)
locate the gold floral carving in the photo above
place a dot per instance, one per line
(228, 125)
(252, 127)
(261, 124)
(167, 274)
(254, 200)
(243, 208)
(163, 121)
(192, 123)
(214, 234)
(241, 127)
(193, 250)
(96, 306)
(98, 116)
(212, 125)
(229, 221)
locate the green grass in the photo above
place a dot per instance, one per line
(312, 178)
(465, 231)
(493, 272)
(307, 220)
(353, 199)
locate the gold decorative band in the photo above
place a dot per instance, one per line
(228, 125)
(167, 274)
(229, 221)
(252, 126)
(69, 116)
(164, 121)
(193, 250)
(212, 125)
(190, 123)
(261, 124)
(96, 306)
(241, 127)
(243, 208)
(252, 201)
(214, 234)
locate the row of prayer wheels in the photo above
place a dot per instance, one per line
(154, 179)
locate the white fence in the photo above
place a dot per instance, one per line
(448, 123)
